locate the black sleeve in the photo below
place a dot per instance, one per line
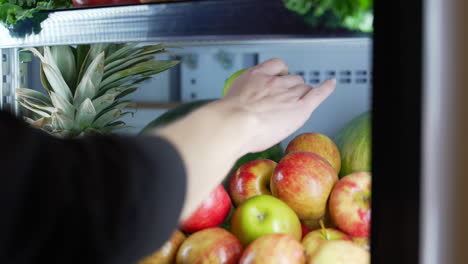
(91, 200)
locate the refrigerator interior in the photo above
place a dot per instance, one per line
(207, 60)
(205, 67)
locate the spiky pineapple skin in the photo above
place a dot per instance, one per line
(85, 86)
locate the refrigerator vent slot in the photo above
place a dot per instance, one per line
(361, 80)
(300, 73)
(345, 80)
(315, 73)
(361, 73)
(346, 73)
(331, 74)
(314, 81)
(343, 76)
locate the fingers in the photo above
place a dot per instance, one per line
(298, 91)
(291, 80)
(273, 67)
(315, 96)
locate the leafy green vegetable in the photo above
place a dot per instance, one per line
(24, 16)
(351, 14)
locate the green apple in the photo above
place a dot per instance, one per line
(229, 81)
(262, 215)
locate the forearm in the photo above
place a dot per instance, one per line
(209, 140)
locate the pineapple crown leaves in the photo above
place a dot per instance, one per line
(85, 85)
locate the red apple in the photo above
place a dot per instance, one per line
(304, 180)
(251, 179)
(350, 204)
(315, 239)
(212, 245)
(167, 253)
(339, 252)
(274, 248)
(212, 212)
(318, 144)
(314, 224)
(305, 230)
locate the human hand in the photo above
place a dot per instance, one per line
(276, 103)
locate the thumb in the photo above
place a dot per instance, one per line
(317, 95)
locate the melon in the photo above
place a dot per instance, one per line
(354, 142)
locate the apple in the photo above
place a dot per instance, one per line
(304, 180)
(350, 204)
(362, 242)
(262, 215)
(274, 248)
(318, 144)
(211, 245)
(212, 212)
(251, 179)
(314, 224)
(231, 79)
(339, 252)
(305, 230)
(314, 239)
(167, 253)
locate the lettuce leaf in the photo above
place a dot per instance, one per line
(26, 15)
(350, 14)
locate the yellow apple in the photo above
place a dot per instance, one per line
(318, 144)
(340, 252)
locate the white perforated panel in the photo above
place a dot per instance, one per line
(349, 61)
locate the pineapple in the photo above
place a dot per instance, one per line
(85, 86)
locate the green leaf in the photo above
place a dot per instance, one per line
(155, 48)
(33, 94)
(66, 123)
(126, 92)
(121, 64)
(38, 105)
(114, 126)
(35, 110)
(103, 102)
(93, 52)
(118, 83)
(65, 60)
(56, 81)
(89, 85)
(123, 104)
(118, 105)
(147, 67)
(106, 118)
(86, 114)
(62, 104)
(44, 81)
(52, 73)
(119, 88)
(81, 53)
(123, 52)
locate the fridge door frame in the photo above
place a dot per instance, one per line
(444, 233)
(396, 130)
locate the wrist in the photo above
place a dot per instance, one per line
(239, 123)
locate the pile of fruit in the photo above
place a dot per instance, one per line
(298, 210)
